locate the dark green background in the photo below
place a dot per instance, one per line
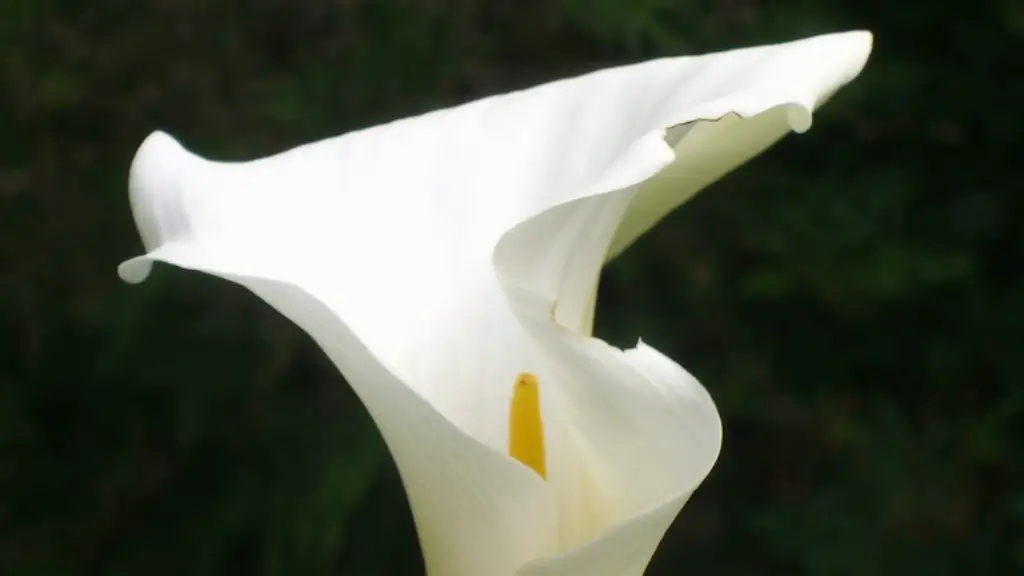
(853, 299)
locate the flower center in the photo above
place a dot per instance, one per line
(525, 430)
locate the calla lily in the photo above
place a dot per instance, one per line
(448, 266)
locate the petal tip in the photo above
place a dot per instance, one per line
(135, 270)
(154, 189)
(864, 37)
(846, 54)
(799, 118)
(853, 48)
(156, 152)
(861, 42)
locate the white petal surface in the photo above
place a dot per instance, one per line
(379, 244)
(644, 431)
(455, 484)
(398, 222)
(648, 433)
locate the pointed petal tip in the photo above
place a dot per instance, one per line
(155, 188)
(859, 44)
(851, 50)
(865, 38)
(854, 42)
(157, 153)
(154, 192)
(158, 138)
(846, 54)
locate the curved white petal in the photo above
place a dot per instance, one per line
(455, 484)
(647, 431)
(398, 222)
(789, 83)
(643, 431)
(382, 245)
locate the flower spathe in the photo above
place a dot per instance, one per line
(440, 260)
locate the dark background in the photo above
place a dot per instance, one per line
(853, 299)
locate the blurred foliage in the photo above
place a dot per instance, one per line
(853, 298)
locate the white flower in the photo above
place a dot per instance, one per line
(448, 266)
